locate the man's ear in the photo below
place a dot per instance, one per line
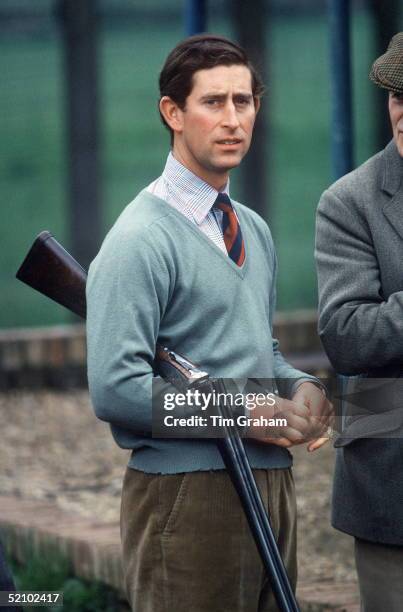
(257, 104)
(171, 113)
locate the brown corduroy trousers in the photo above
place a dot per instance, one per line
(187, 546)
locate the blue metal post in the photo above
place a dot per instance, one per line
(341, 88)
(195, 16)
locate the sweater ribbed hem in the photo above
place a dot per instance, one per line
(177, 456)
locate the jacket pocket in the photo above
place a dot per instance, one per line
(373, 426)
(371, 408)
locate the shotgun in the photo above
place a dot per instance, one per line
(52, 271)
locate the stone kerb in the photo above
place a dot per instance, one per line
(30, 527)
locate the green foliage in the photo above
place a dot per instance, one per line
(41, 573)
(52, 572)
(88, 597)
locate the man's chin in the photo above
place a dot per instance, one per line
(229, 162)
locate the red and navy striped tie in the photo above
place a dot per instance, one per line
(231, 229)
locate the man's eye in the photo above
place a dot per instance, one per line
(397, 96)
(242, 101)
(212, 102)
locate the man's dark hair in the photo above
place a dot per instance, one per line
(201, 52)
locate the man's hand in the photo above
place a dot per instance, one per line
(321, 413)
(294, 430)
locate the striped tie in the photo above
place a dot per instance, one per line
(231, 230)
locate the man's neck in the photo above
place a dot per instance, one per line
(217, 181)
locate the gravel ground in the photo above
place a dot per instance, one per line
(53, 448)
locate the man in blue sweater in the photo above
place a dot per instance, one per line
(188, 267)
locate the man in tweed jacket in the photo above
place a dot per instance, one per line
(359, 255)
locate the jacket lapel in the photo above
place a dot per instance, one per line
(392, 184)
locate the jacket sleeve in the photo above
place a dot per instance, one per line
(358, 327)
(287, 377)
(127, 293)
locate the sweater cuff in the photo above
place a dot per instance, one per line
(311, 379)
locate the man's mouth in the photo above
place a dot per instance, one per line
(229, 141)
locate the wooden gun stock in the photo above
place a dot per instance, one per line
(52, 271)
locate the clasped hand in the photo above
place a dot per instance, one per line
(306, 418)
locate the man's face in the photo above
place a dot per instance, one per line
(396, 119)
(213, 133)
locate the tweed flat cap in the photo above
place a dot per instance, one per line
(387, 70)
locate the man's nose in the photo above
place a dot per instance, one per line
(230, 117)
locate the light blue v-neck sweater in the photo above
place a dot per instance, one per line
(158, 278)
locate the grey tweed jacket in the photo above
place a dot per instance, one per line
(359, 254)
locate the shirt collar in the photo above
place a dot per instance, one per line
(190, 192)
